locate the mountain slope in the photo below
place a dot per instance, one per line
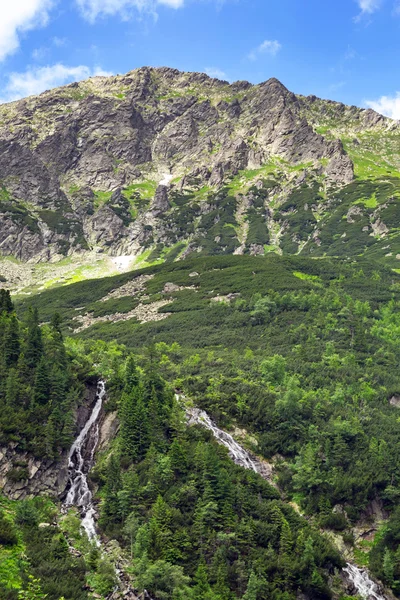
(160, 161)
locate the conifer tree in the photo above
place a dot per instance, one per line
(127, 437)
(41, 388)
(55, 348)
(132, 377)
(58, 386)
(6, 305)
(12, 391)
(34, 343)
(112, 487)
(254, 586)
(178, 456)
(12, 344)
(202, 589)
(140, 430)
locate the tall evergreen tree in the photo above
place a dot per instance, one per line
(135, 431)
(34, 342)
(13, 386)
(12, 344)
(41, 388)
(132, 376)
(6, 304)
(55, 349)
(112, 488)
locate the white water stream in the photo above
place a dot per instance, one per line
(79, 465)
(236, 452)
(79, 493)
(366, 588)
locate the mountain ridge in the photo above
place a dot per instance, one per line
(134, 164)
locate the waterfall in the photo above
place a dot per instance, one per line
(236, 452)
(79, 465)
(366, 588)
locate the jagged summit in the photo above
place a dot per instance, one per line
(80, 165)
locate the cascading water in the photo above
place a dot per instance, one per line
(236, 452)
(366, 588)
(79, 465)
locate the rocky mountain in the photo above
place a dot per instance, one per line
(161, 163)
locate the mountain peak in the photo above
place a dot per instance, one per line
(80, 165)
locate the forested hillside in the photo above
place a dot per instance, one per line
(300, 354)
(263, 229)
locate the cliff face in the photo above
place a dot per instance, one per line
(160, 160)
(23, 476)
(80, 165)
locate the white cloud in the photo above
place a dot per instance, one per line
(369, 6)
(386, 105)
(92, 9)
(215, 72)
(271, 47)
(59, 42)
(37, 80)
(40, 53)
(18, 16)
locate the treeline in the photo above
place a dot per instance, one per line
(38, 389)
(196, 525)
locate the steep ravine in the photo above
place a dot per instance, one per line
(358, 579)
(40, 476)
(97, 430)
(80, 461)
(68, 479)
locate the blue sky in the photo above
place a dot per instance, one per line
(346, 50)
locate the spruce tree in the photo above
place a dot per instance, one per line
(41, 388)
(58, 386)
(13, 387)
(6, 305)
(254, 587)
(12, 344)
(55, 348)
(34, 343)
(112, 488)
(141, 430)
(127, 418)
(132, 377)
(135, 430)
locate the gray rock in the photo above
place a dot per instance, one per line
(60, 149)
(160, 203)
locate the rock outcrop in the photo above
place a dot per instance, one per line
(24, 476)
(74, 161)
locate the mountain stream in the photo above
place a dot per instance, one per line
(80, 461)
(366, 588)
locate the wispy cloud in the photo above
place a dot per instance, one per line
(38, 79)
(369, 6)
(92, 9)
(215, 72)
(40, 53)
(271, 47)
(334, 87)
(386, 105)
(18, 17)
(350, 54)
(59, 42)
